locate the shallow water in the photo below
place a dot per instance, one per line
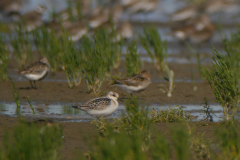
(60, 112)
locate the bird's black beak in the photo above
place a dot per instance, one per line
(120, 99)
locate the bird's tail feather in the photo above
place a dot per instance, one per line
(81, 107)
(116, 82)
(77, 107)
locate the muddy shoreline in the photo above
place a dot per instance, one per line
(189, 87)
(59, 92)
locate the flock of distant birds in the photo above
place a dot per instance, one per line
(190, 23)
(195, 26)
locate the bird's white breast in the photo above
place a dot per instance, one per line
(35, 77)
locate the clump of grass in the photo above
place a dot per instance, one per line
(160, 149)
(117, 45)
(4, 58)
(169, 115)
(30, 104)
(157, 50)
(4, 28)
(138, 119)
(228, 139)
(232, 48)
(181, 144)
(168, 91)
(60, 51)
(48, 45)
(152, 39)
(72, 61)
(118, 146)
(132, 59)
(223, 83)
(201, 147)
(27, 142)
(22, 46)
(99, 55)
(95, 69)
(70, 10)
(79, 10)
(207, 110)
(16, 97)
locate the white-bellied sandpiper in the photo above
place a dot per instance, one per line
(36, 71)
(136, 83)
(102, 106)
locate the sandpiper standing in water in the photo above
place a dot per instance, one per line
(102, 106)
(36, 71)
(136, 83)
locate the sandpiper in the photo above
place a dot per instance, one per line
(185, 13)
(9, 6)
(102, 106)
(212, 6)
(143, 5)
(33, 19)
(197, 30)
(76, 30)
(116, 12)
(97, 20)
(202, 35)
(78, 6)
(124, 31)
(136, 83)
(36, 71)
(127, 3)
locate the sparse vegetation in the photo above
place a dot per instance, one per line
(27, 142)
(30, 104)
(99, 55)
(157, 51)
(181, 143)
(228, 140)
(22, 46)
(151, 39)
(232, 48)
(4, 58)
(132, 59)
(223, 83)
(169, 115)
(16, 97)
(49, 45)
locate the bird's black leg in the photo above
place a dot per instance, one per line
(131, 94)
(27, 87)
(31, 84)
(35, 85)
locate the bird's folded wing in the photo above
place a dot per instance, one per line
(97, 103)
(35, 68)
(133, 81)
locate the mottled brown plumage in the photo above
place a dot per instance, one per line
(36, 71)
(35, 68)
(136, 83)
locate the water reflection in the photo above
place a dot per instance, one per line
(67, 113)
